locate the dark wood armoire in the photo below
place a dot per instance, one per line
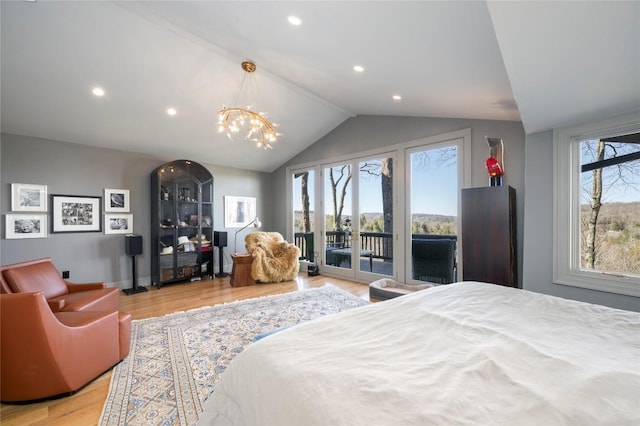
(489, 249)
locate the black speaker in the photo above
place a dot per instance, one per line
(133, 244)
(219, 239)
(133, 247)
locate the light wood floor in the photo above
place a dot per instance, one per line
(85, 407)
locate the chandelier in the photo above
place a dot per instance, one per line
(254, 125)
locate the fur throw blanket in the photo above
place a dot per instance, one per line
(274, 259)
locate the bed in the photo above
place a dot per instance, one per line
(464, 353)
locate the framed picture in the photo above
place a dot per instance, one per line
(74, 213)
(116, 200)
(238, 211)
(28, 198)
(118, 223)
(25, 226)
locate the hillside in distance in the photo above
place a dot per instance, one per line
(617, 242)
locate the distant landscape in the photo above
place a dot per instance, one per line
(618, 233)
(617, 236)
(422, 223)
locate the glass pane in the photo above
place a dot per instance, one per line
(434, 214)
(376, 216)
(207, 191)
(303, 214)
(610, 208)
(338, 212)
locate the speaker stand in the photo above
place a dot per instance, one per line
(220, 273)
(135, 289)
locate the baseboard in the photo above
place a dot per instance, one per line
(142, 282)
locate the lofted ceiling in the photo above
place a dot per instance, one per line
(543, 63)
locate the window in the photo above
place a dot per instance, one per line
(389, 188)
(597, 206)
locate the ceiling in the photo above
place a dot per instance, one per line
(546, 64)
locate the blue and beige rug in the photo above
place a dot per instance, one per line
(176, 359)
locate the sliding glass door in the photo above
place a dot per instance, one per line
(338, 205)
(432, 215)
(358, 209)
(376, 212)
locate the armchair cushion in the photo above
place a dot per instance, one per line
(274, 259)
(42, 275)
(104, 299)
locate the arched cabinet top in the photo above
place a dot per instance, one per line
(184, 169)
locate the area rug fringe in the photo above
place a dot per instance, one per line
(176, 359)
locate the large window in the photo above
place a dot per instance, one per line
(597, 206)
(369, 207)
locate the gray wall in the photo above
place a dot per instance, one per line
(367, 132)
(1, 191)
(73, 169)
(538, 229)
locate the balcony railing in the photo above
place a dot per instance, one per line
(433, 257)
(380, 243)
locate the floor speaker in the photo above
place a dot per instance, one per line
(220, 241)
(133, 244)
(133, 247)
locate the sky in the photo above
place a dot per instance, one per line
(614, 191)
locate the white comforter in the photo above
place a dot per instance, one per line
(465, 353)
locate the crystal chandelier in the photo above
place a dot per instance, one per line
(254, 125)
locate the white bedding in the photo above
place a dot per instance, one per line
(465, 353)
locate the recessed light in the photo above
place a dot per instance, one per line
(98, 91)
(171, 111)
(358, 68)
(397, 97)
(294, 20)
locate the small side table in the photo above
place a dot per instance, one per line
(241, 272)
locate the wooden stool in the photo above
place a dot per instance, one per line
(241, 272)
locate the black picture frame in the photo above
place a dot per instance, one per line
(75, 213)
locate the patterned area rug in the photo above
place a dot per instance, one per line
(176, 359)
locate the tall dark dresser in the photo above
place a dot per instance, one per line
(489, 250)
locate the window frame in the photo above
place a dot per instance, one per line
(566, 207)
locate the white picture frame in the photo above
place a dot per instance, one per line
(116, 200)
(115, 223)
(28, 197)
(19, 226)
(238, 211)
